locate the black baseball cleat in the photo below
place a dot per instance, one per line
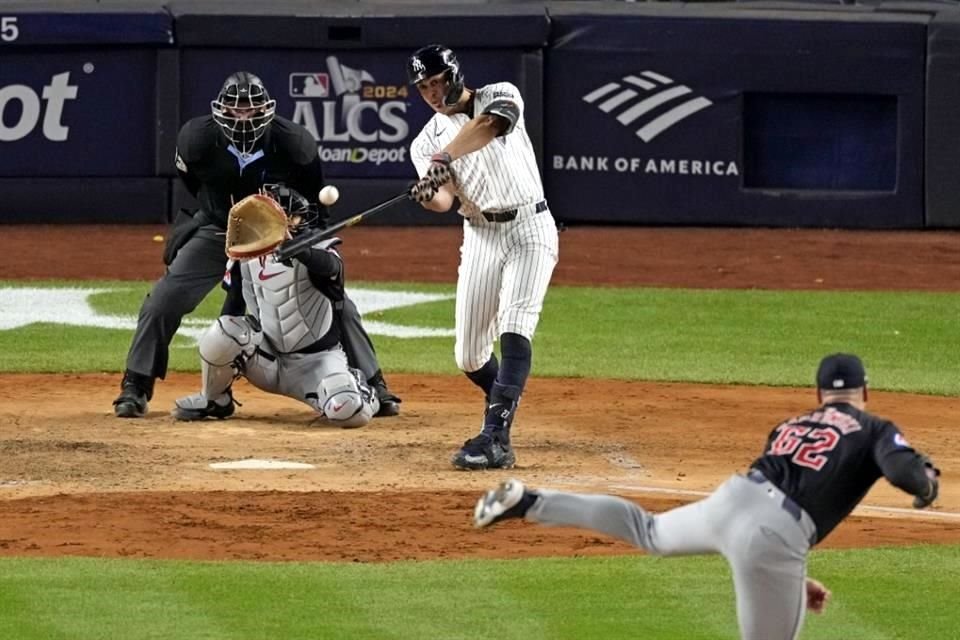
(509, 500)
(485, 451)
(389, 403)
(135, 392)
(197, 407)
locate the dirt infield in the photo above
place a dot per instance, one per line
(74, 480)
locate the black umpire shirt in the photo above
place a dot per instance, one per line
(217, 175)
(828, 459)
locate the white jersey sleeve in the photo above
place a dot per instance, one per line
(424, 146)
(500, 99)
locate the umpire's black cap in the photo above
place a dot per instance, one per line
(841, 371)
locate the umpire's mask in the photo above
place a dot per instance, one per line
(243, 110)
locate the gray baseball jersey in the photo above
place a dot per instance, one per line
(510, 244)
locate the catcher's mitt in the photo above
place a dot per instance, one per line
(255, 226)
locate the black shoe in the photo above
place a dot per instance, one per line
(389, 403)
(197, 407)
(486, 451)
(135, 392)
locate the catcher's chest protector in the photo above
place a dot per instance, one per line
(294, 314)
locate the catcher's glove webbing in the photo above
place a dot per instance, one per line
(255, 226)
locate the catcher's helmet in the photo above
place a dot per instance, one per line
(294, 204)
(433, 59)
(243, 109)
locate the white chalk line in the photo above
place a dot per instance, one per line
(863, 509)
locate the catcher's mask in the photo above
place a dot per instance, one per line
(300, 212)
(244, 110)
(432, 59)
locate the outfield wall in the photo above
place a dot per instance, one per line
(751, 113)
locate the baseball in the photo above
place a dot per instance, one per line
(329, 194)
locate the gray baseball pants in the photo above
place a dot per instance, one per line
(197, 268)
(765, 545)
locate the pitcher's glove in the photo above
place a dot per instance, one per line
(422, 190)
(933, 489)
(439, 171)
(255, 227)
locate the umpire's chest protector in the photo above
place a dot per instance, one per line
(294, 314)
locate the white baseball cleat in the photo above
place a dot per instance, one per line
(497, 504)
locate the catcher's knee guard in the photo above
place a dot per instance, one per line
(224, 350)
(346, 400)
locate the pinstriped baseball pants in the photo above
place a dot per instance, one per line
(505, 269)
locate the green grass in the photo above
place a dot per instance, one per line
(879, 594)
(715, 336)
(755, 337)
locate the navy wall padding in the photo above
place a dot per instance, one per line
(84, 200)
(85, 22)
(342, 25)
(617, 151)
(943, 122)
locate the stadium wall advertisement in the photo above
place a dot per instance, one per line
(719, 115)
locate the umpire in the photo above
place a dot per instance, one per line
(222, 158)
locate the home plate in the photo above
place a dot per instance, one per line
(260, 464)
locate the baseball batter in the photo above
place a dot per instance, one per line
(814, 470)
(289, 341)
(476, 149)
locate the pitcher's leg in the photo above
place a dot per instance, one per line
(771, 591)
(685, 530)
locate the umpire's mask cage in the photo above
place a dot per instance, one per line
(243, 110)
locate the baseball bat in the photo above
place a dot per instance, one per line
(292, 247)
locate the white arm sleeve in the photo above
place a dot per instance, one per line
(422, 148)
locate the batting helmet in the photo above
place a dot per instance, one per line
(243, 109)
(433, 59)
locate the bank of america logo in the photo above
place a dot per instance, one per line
(652, 99)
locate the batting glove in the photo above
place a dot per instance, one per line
(423, 190)
(439, 172)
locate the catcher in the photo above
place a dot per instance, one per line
(289, 340)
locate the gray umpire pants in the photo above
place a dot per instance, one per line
(197, 268)
(743, 520)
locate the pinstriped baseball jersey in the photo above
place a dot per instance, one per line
(502, 175)
(505, 266)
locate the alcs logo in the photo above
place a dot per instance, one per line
(48, 104)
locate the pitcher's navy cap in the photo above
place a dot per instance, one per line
(841, 371)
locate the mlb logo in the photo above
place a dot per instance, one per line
(309, 85)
